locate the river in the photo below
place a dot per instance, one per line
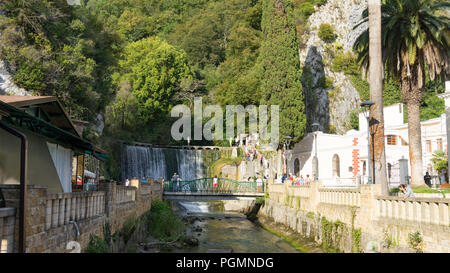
(219, 231)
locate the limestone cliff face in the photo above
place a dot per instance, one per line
(330, 97)
(7, 86)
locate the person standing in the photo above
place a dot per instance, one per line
(307, 180)
(215, 183)
(259, 183)
(427, 179)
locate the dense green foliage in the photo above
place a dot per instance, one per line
(133, 60)
(163, 224)
(55, 49)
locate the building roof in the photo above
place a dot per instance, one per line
(53, 123)
(49, 104)
(20, 101)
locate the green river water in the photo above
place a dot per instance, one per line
(229, 231)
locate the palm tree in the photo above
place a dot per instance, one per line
(415, 40)
(376, 95)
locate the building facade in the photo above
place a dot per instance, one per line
(342, 159)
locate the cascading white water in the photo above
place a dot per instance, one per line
(195, 207)
(162, 162)
(143, 162)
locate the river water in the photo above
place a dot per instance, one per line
(226, 231)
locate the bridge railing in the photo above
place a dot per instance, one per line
(209, 185)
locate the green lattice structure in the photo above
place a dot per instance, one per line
(207, 185)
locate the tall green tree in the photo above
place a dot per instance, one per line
(154, 69)
(280, 68)
(415, 40)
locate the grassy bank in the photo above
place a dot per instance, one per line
(288, 239)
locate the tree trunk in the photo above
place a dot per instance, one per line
(376, 95)
(415, 143)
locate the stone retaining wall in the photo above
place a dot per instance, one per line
(52, 220)
(360, 219)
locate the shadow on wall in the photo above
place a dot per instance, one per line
(315, 91)
(5, 178)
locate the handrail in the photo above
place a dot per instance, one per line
(204, 185)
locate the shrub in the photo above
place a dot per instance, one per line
(163, 223)
(97, 245)
(415, 241)
(320, 2)
(326, 33)
(345, 62)
(307, 9)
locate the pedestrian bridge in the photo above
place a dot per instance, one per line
(208, 189)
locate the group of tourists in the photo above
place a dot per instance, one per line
(296, 180)
(128, 181)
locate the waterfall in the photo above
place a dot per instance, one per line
(194, 207)
(155, 163)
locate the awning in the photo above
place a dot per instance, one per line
(27, 122)
(89, 174)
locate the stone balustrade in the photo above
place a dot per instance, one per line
(378, 218)
(125, 194)
(146, 188)
(346, 197)
(420, 210)
(61, 208)
(7, 221)
(300, 191)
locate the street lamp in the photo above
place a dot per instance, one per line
(315, 127)
(366, 105)
(288, 143)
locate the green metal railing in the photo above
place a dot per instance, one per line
(208, 185)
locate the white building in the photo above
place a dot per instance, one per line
(341, 159)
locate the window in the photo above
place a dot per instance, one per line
(336, 166)
(439, 144)
(429, 146)
(315, 167)
(391, 140)
(389, 165)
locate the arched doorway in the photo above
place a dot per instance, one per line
(336, 166)
(296, 166)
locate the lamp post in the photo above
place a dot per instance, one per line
(288, 143)
(366, 105)
(315, 127)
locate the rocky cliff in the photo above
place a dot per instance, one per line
(330, 97)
